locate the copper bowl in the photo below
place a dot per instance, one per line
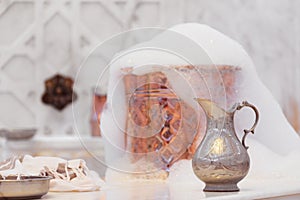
(26, 187)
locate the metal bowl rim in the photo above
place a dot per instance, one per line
(20, 129)
(28, 179)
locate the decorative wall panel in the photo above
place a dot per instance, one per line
(40, 38)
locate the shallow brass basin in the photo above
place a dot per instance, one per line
(28, 187)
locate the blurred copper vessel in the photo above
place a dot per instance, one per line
(159, 121)
(98, 102)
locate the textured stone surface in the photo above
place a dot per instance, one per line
(55, 37)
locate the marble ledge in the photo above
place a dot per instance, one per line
(250, 189)
(65, 142)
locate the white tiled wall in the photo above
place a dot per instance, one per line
(41, 38)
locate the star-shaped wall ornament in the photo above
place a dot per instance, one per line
(59, 92)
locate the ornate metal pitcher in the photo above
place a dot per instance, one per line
(221, 160)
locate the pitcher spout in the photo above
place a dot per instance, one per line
(211, 109)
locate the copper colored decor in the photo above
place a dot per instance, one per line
(59, 92)
(159, 121)
(99, 99)
(292, 112)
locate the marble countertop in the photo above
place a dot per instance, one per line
(250, 189)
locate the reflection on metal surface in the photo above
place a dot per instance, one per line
(221, 160)
(160, 121)
(28, 187)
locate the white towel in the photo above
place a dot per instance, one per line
(75, 177)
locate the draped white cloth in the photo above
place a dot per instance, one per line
(85, 179)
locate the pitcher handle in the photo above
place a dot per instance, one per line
(246, 131)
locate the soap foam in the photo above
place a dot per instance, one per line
(274, 136)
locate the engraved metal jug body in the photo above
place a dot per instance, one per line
(221, 160)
